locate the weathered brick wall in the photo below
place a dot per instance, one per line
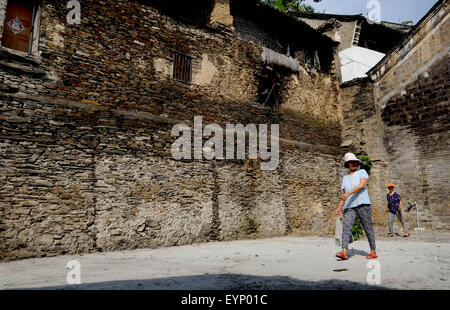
(221, 14)
(407, 129)
(85, 139)
(415, 111)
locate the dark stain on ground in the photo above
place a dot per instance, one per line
(340, 270)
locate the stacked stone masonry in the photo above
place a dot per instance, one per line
(85, 137)
(85, 134)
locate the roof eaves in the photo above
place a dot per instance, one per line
(326, 16)
(296, 20)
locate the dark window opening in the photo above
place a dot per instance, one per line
(182, 67)
(18, 26)
(270, 87)
(312, 59)
(319, 58)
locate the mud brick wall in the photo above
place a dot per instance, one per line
(410, 120)
(85, 138)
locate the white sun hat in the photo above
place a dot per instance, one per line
(350, 157)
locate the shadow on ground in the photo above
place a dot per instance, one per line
(219, 282)
(353, 252)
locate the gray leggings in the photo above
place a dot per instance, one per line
(391, 221)
(364, 213)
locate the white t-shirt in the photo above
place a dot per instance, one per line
(349, 182)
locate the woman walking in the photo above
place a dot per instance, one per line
(356, 202)
(394, 208)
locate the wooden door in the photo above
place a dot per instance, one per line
(18, 24)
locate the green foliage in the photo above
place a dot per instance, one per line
(407, 23)
(366, 162)
(279, 5)
(283, 5)
(307, 8)
(357, 229)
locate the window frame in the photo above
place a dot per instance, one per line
(33, 47)
(176, 73)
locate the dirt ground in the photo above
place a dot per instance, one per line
(419, 262)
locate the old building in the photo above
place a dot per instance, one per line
(362, 42)
(87, 111)
(399, 116)
(355, 30)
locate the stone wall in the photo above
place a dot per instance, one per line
(406, 131)
(85, 138)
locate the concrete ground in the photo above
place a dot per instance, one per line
(277, 263)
